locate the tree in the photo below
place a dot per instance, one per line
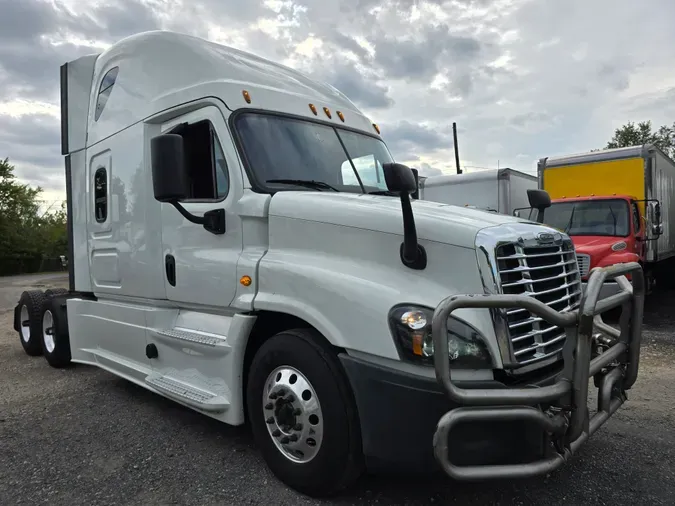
(26, 235)
(631, 134)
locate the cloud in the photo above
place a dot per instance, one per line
(521, 78)
(427, 170)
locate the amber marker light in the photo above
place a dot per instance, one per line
(341, 116)
(327, 111)
(246, 280)
(377, 128)
(247, 96)
(313, 109)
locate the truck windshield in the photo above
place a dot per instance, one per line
(608, 217)
(277, 147)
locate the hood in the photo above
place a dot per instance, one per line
(435, 221)
(595, 244)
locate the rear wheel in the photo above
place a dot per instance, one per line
(49, 292)
(55, 340)
(29, 324)
(303, 414)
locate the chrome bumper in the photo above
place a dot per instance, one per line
(565, 417)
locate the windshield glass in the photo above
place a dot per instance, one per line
(278, 147)
(592, 217)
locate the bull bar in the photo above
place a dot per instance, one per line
(566, 420)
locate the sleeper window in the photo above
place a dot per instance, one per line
(101, 195)
(104, 91)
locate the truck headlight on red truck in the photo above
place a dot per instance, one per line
(411, 326)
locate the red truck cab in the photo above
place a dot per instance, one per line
(605, 230)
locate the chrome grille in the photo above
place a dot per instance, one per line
(584, 262)
(549, 273)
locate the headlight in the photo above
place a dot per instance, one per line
(411, 326)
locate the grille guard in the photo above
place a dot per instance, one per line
(615, 371)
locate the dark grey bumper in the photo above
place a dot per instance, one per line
(399, 413)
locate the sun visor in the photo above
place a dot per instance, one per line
(76, 81)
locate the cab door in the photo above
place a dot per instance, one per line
(200, 267)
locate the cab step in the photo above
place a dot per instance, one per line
(197, 337)
(195, 397)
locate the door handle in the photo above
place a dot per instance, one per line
(170, 266)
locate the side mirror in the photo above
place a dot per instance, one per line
(416, 193)
(539, 199)
(170, 181)
(657, 213)
(169, 174)
(399, 178)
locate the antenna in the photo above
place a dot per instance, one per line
(454, 139)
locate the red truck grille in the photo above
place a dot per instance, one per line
(549, 273)
(584, 262)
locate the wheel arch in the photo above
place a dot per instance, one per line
(268, 324)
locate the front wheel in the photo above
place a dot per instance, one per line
(303, 415)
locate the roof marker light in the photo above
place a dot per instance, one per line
(247, 97)
(377, 128)
(327, 111)
(341, 116)
(313, 108)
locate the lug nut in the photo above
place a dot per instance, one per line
(291, 398)
(297, 412)
(284, 440)
(269, 405)
(276, 433)
(298, 426)
(273, 395)
(270, 419)
(293, 437)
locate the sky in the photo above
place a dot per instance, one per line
(522, 79)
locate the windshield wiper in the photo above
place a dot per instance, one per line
(569, 223)
(317, 185)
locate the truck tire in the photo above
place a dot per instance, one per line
(30, 321)
(303, 415)
(50, 292)
(54, 337)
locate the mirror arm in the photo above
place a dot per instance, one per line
(413, 254)
(213, 221)
(199, 220)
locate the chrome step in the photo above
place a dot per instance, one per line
(188, 394)
(193, 336)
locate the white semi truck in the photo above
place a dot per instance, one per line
(496, 190)
(221, 256)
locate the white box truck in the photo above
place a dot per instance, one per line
(218, 258)
(496, 190)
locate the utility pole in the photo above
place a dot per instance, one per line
(454, 138)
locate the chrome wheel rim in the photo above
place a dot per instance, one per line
(293, 414)
(25, 324)
(48, 331)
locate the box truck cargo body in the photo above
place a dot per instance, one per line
(223, 255)
(617, 205)
(498, 190)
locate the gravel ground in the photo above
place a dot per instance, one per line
(82, 436)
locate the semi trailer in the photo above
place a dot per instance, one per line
(496, 190)
(617, 206)
(220, 257)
